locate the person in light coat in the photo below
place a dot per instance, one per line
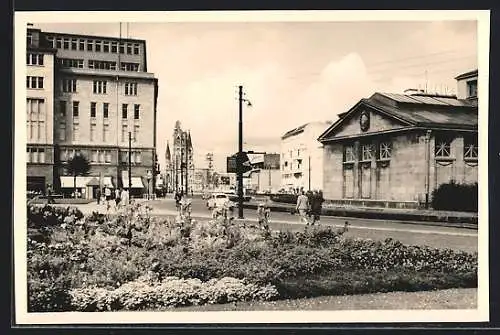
(302, 207)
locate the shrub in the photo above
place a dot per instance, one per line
(456, 197)
(148, 293)
(284, 198)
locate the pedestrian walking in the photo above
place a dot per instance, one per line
(107, 196)
(124, 197)
(98, 195)
(316, 206)
(50, 199)
(117, 197)
(302, 207)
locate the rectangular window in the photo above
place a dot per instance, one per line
(136, 112)
(102, 65)
(138, 157)
(129, 48)
(136, 49)
(29, 38)
(114, 47)
(34, 156)
(62, 108)
(105, 47)
(59, 43)
(94, 156)
(34, 82)
(100, 87)
(122, 48)
(130, 88)
(107, 158)
(28, 155)
(34, 59)
(65, 44)
(471, 147)
(62, 132)
(136, 132)
(98, 46)
(472, 89)
(124, 133)
(41, 155)
(366, 152)
(76, 131)
(385, 150)
(71, 63)
(105, 133)
(92, 109)
(81, 45)
(90, 45)
(76, 108)
(101, 156)
(124, 111)
(105, 110)
(129, 67)
(74, 44)
(51, 41)
(442, 147)
(93, 127)
(69, 85)
(349, 155)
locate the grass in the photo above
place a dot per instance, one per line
(442, 299)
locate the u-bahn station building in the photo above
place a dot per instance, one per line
(393, 150)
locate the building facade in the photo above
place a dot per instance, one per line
(179, 163)
(266, 173)
(467, 86)
(393, 150)
(302, 157)
(102, 105)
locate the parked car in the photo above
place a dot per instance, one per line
(218, 200)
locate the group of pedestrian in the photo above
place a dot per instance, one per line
(112, 199)
(309, 206)
(183, 204)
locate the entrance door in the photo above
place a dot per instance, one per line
(365, 179)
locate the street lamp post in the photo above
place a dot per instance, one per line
(239, 163)
(129, 162)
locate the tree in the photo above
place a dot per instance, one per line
(78, 165)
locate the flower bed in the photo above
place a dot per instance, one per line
(98, 262)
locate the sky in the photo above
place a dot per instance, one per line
(292, 72)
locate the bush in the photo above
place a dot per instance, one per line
(284, 198)
(456, 197)
(97, 255)
(148, 293)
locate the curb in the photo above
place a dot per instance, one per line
(410, 218)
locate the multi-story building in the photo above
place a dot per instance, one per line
(39, 112)
(179, 163)
(467, 86)
(393, 150)
(266, 173)
(302, 157)
(97, 93)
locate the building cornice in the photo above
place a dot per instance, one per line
(109, 74)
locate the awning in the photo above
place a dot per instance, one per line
(68, 181)
(93, 182)
(107, 182)
(136, 182)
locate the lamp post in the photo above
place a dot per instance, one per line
(129, 162)
(239, 158)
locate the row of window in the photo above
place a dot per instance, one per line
(368, 151)
(34, 82)
(102, 156)
(93, 45)
(35, 155)
(35, 119)
(93, 135)
(98, 86)
(383, 150)
(93, 110)
(34, 59)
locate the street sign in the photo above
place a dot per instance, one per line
(231, 166)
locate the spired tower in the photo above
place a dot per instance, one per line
(181, 160)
